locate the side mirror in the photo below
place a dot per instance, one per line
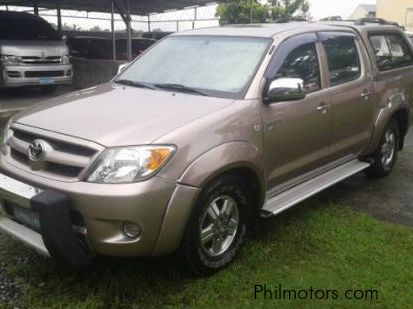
(122, 67)
(285, 89)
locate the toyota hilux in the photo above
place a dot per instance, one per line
(201, 134)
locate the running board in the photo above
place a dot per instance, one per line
(299, 193)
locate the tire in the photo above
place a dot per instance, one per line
(48, 89)
(222, 239)
(386, 154)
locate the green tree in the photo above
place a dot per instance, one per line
(247, 11)
(289, 9)
(239, 12)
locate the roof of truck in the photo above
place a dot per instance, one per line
(364, 26)
(283, 29)
(261, 30)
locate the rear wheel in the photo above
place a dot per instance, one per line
(217, 227)
(386, 155)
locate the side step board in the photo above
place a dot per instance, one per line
(299, 193)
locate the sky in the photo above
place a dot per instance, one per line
(343, 8)
(318, 10)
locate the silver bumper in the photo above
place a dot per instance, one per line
(24, 235)
(20, 194)
(35, 75)
(17, 192)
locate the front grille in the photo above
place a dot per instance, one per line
(44, 73)
(65, 160)
(46, 60)
(57, 145)
(14, 74)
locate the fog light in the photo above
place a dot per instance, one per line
(131, 230)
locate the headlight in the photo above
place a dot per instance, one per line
(65, 60)
(11, 60)
(130, 164)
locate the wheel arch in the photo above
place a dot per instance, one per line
(398, 109)
(241, 159)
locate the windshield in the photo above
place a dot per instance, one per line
(219, 66)
(13, 27)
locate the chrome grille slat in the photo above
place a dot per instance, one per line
(46, 60)
(18, 145)
(66, 158)
(54, 156)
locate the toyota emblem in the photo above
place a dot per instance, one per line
(36, 150)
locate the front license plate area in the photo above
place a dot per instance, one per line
(26, 217)
(46, 81)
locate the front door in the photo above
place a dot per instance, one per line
(296, 132)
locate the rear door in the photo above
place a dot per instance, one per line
(350, 91)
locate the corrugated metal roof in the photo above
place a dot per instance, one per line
(138, 7)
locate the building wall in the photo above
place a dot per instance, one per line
(360, 12)
(400, 11)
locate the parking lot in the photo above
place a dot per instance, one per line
(16, 99)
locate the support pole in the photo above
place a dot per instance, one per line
(129, 30)
(59, 19)
(36, 8)
(251, 12)
(112, 23)
(149, 23)
(195, 17)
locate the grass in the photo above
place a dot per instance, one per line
(314, 245)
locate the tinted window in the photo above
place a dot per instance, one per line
(302, 63)
(391, 50)
(25, 27)
(342, 58)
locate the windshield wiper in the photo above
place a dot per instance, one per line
(133, 83)
(181, 88)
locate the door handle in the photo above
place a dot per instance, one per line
(323, 107)
(366, 94)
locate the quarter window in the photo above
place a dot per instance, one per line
(342, 58)
(302, 62)
(391, 51)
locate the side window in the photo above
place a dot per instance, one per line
(342, 58)
(391, 51)
(302, 62)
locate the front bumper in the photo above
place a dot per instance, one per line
(36, 75)
(160, 208)
(54, 235)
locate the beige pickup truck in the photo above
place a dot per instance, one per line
(202, 133)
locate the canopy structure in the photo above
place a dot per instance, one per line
(137, 7)
(125, 8)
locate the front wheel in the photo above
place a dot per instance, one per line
(217, 227)
(385, 156)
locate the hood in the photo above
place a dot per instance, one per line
(114, 115)
(36, 48)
